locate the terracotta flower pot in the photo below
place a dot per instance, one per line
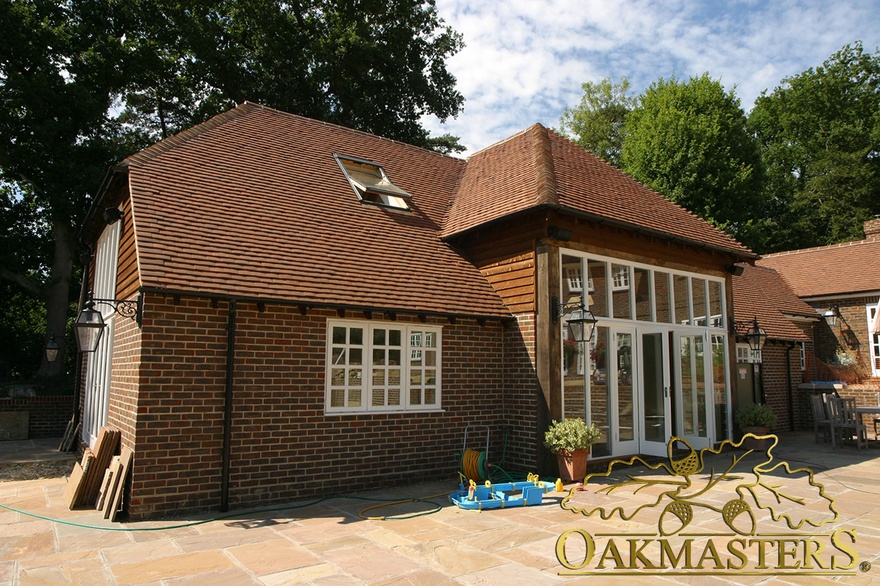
(573, 465)
(755, 444)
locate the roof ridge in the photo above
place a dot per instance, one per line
(173, 141)
(818, 248)
(545, 169)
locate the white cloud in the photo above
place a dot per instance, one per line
(525, 60)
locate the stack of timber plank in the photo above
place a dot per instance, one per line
(88, 476)
(109, 500)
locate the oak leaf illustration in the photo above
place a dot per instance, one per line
(740, 486)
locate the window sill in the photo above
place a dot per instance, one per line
(387, 412)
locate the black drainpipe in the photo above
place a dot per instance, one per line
(790, 390)
(227, 407)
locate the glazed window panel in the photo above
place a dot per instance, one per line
(698, 293)
(598, 297)
(719, 382)
(621, 302)
(681, 299)
(643, 297)
(424, 370)
(630, 291)
(716, 305)
(599, 400)
(662, 298)
(573, 279)
(386, 382)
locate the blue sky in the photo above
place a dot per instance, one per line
(525, 60)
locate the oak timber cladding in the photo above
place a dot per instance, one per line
(514, 280)
(127, 280)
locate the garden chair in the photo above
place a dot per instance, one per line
(820, 417)
(846, 422)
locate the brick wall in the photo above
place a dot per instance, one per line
(48, 415)
(849, 335)
(124, 379)
(522, 397)
(781, 379)
(283, 446)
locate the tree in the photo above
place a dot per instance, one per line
(819, 134)
(374, 65)
(597, 123)
(688, 141)
(86, 82)
(57, 76)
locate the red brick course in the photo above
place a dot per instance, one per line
(283, 446)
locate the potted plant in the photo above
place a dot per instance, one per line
(570, 440)
(756, 419)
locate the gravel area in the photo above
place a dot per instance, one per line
(35, 470)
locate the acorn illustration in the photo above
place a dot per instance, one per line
(732, 513)
(686, 466)
(675, 517)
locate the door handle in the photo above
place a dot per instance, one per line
(666, 392)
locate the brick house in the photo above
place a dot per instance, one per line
(842, 282)
(774, 375)
(321, 310)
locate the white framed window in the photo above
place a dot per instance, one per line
(745, 354)
(375, 367)
(371, 184)
(574, 280)
(803, 355)
(620, 278)
(874, 339)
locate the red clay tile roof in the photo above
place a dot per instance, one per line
(253, 204)
(761, 292)
(838, 269)
(538, 166)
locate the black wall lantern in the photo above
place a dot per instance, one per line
(756, 337)
(754, 334)
(52, 348)
(831, 316)
(582, 322)
(89, 324)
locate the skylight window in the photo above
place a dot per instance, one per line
(371, 184)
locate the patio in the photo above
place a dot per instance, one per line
(329, 541)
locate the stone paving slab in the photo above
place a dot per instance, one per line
(332, 543)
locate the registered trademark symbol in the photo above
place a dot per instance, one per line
(865, 566)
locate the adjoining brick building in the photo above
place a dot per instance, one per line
(321, 310)
(842, 283)
(773, 375)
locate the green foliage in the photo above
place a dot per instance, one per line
(375, 65)
(688, 141)
(570, 435)
(820, 139)
(84, 84)
(755, 415)
(21, 344)
(597, 123)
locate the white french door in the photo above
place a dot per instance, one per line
(623, 401)
(694, 402)
(652, 376)
(97, 383)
